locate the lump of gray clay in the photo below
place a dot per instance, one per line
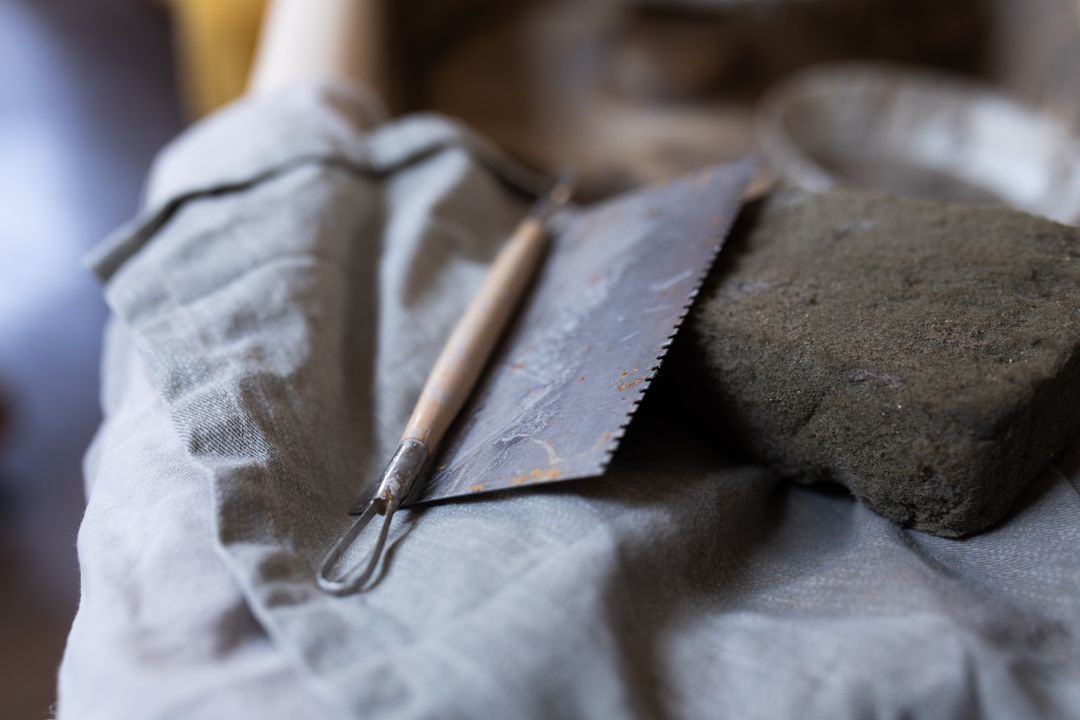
(925, 355)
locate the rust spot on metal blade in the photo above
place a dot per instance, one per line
(536, 475)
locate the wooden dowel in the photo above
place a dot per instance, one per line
(473, 338)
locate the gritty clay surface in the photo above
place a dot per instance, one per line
(925, 355)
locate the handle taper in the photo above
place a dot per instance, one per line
(470, 345)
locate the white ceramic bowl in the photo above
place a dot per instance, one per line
(917, 133)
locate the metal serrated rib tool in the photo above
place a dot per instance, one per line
(567, 376)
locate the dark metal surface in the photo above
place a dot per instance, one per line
(574, 365)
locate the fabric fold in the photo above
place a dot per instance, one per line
(283, 297)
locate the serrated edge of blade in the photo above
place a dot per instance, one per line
(732, 210)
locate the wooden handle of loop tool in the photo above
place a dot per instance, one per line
(470, 345)
(448, 386)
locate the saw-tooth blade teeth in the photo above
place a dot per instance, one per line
(685, 308)
(592, 360)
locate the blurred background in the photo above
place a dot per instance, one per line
(628, 91)
(87, 94)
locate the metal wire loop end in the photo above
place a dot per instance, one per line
(394, 487)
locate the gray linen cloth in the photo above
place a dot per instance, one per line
(276, 309)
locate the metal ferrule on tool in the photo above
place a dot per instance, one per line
(397, 481)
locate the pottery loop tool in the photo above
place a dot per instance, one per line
(564, 380)
(449, 383)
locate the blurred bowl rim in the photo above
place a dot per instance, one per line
(1053, 188)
